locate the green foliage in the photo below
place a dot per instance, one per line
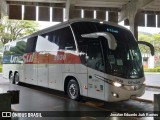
(156, 69)
(153, 39)
(147, 38)
(0, 68)
(19, 48)
(14, 29)
(1, 47)
(0, 59)
(156, 42)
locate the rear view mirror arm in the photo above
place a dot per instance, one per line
(108, 36)
(149, 45)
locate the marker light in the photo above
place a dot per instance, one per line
(117, 84)
(144, 82)
(115, 95)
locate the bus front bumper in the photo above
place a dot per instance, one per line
(114, 94)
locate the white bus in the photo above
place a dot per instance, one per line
(82, 57)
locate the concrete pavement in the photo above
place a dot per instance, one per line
(152, 79)
(147, 97)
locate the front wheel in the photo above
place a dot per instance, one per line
(73, 91)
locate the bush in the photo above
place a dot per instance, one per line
(156, 69)
(0, 68)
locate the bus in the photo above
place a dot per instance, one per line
(82, 57)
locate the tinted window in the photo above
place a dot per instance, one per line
(43, 44)
(83, 53)
(13, 48)
(64, 39)
(31, 44)
(94, 56)
(125, 61)
(61, 39)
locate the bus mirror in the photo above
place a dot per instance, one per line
(110, 38)
(149, 45)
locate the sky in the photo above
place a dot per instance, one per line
(151, 30)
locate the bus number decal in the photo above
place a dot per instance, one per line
(60, 57)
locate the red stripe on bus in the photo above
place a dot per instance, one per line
(51, 58)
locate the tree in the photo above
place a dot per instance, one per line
(153, 39)
(156, 42)
(11, 30)
(1, 47)
(147, 38)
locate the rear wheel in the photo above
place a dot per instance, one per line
(16, 78)
(11, 77)
(73, 91)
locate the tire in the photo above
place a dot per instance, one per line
(11, 78)
(16, 78)
(73, 90)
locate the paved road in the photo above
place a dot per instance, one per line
(152, 79)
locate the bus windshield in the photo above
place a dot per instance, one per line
(125, 61)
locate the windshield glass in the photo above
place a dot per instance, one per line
(125, 61)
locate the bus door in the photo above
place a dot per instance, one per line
(95, 63)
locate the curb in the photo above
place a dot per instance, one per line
(142, 100)
(151, 73)
(13, 110)
(150, 86)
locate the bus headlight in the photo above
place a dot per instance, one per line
(117, 84)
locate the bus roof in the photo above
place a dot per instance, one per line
(67, 23)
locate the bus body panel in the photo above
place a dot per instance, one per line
(82, 77)
(55, 76)
(96, 86)
(30, 74)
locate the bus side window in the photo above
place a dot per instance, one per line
(65, 39)
(31, 44)
(83, 53)
(6, 50)
(94, 54)
(45, 43)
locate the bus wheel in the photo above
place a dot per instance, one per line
(11, 78)
(16, 78)
(73, 91)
